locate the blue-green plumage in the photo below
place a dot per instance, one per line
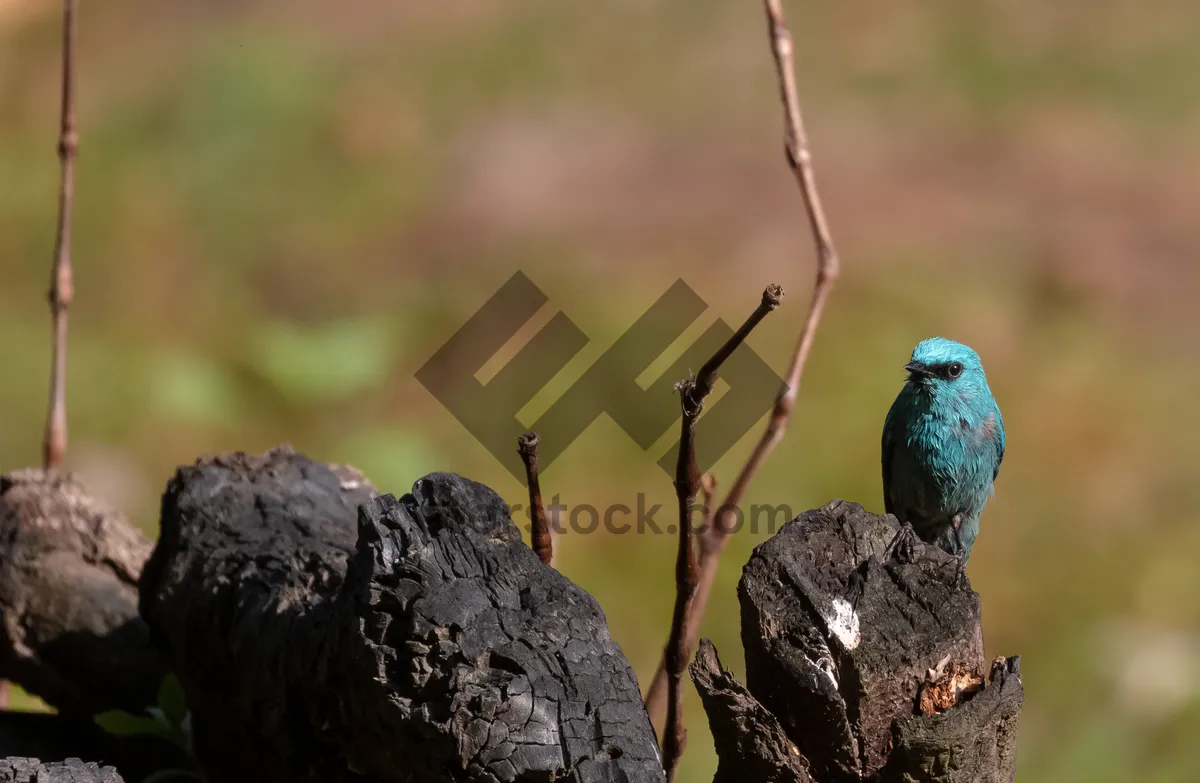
(943, 441)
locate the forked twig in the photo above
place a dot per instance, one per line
(799, 158)
(62, 289)
(543, 544)
(687, 483)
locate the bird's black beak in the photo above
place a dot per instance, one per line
(917, 371)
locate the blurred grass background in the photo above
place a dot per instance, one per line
(283, 209)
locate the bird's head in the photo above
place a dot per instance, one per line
(938, 364)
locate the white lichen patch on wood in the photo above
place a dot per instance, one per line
(844, 623)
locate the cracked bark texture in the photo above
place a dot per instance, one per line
(69, 625)
(846, 618)
(411, 639)
(25, 770)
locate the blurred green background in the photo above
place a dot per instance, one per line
(283, 209)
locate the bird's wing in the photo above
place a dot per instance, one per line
(999, 441)
(888, 446)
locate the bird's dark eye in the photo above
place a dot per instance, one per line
(954, 369)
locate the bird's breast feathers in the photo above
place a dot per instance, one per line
(955, 445)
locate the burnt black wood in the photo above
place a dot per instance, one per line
(325, 634)
(844, 614)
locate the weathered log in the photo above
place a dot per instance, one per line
(69, 626)
(865, 645)
(25, 770)
(416, 639)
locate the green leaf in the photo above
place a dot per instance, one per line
(122, 724)
(172, 700)
(329, 361)
(192, 389)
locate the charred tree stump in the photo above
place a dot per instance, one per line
(69, 625)
(411, 639)
(238, 594)
(864, 661)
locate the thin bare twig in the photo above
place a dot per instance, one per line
(677, 653)
(687, 483)
(799, 158)
(62, 289)
(656, 695)
(527, 447)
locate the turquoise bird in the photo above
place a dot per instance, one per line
(943, 441)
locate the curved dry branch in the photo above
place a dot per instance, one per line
(799, 158)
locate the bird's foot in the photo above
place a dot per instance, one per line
(959, 553)
(958, 564)
(903, 545)
(955, 524)
(960, 570)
